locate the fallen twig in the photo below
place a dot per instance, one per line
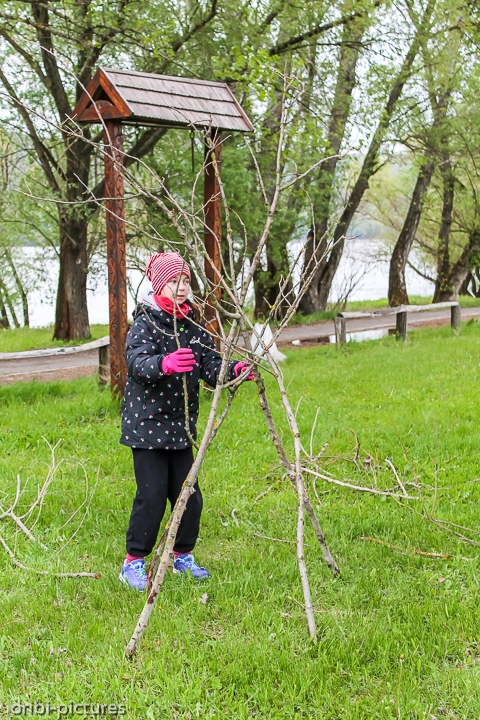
(303, 606)
(266, 537)
(324, 492)
(358, 488)
(438, 524)
(84, 515)
(262, 494)
(460, 527)
(415, 552)
(46, 572)
(234, 518)
(24, 528)
(396, 476)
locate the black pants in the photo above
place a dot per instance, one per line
(160, 475)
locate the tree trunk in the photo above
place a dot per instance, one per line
(267, 282)
(316, 241)
(460, 271)
(474, 278)
(444, 290)
(8, 300)
(20, 288)
(464, 288)
(71, 316)
(397, 289)
(326, 273)
(4, 322)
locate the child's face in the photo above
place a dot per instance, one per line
(177, 288)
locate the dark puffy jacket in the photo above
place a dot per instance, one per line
(153, 411)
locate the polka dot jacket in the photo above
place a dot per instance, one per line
(153, 411)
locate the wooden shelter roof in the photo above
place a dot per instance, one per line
(162, 100)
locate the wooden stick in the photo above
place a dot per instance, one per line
(25, 530)
(358, 488)
(84, 515)
(262, 494)
(414, 552)
(265, 537)
(312, 627)
(299, 486)
(437, 523)
(327, 555)
(156, 558)
(234, 518)
(45, 572)
(396, 476)
(460, 527)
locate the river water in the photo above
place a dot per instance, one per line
(360, 267)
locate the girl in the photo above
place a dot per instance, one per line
(153, 413)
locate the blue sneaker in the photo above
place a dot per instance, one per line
(134, 575)
(185, 564)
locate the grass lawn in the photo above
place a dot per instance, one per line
(245, 653)
(38, 338)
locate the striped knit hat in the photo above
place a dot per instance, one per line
(162, 267)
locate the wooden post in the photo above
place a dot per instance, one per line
(117, 273)
(213, 229)
(402, 326)
(340, 331)
(456, 317)
(103, 364)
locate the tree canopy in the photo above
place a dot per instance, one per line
(377, 85)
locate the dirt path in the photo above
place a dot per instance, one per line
(65, 363)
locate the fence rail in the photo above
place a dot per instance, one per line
(401, 313)
(54, 363)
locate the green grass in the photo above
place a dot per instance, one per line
(246, 653)
(38, 338)
(358, 305)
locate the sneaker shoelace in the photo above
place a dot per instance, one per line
(190, 561)
(139, 567)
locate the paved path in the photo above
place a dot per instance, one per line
(322, 331)
(64, 363)
(72, 362)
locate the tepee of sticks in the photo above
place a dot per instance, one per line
(238, 337)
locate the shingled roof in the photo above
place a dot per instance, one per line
(147, 99)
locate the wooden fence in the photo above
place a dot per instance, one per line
(94, 357)
(57, 363)
(401, 313)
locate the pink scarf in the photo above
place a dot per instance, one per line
(167, 305)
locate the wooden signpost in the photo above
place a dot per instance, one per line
(125, 97)
(213, 227)
(116, 259)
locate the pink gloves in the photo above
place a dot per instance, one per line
(179, 361)
(240, 367)
(183, 360)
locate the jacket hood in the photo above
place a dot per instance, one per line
(147, 297)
